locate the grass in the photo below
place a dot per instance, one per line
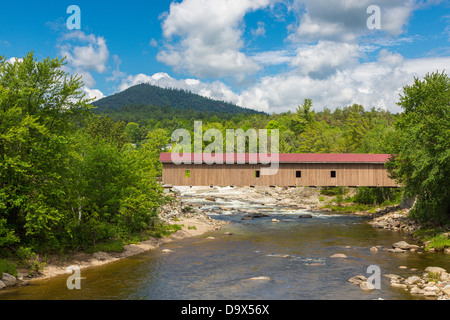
(351, 208)
(433, 276)
(114, 246)
(7, 266)
(438, 243)
(437, 240)
(164, 230)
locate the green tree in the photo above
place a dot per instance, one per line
(133, 131)
(319, 137)
(40, 105)
(422, 162)
(303, 117)
(107, 129)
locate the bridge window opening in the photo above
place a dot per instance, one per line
(333, 174)
(257, 174)
(187, 174)
(298, 174)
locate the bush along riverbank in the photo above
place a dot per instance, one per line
(176, 221)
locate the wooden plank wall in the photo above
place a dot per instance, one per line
(350, 175)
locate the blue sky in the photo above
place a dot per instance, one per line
(268, 55)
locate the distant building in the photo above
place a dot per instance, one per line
(309, 170)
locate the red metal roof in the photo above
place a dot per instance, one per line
(296, 158)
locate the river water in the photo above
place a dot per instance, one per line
(294, 253)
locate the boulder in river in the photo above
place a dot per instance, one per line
(437, 270)
(404, 245)
(255, 215)
(305, 216)
(339, 255)
(260, 279)
(9, 280)
(366, 286)
(357, 279)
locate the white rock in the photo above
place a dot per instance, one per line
(446, 289)
(358, 279)
(435, 270)
(404, 245)
(399, 285)
(412, 280)
(432, 288)
(9, 280)
(260, 279)
(167, 251)
(366, 286)
(339, 255)
(416, 290)
(2, 285)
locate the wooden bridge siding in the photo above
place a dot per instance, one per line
(314, 174)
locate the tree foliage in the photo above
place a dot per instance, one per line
(422, 163)
(68, 179)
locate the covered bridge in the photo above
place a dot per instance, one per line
(309, 170)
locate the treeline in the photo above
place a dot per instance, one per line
(68, 179)
(345, 130)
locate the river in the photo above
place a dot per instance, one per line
(294, 253)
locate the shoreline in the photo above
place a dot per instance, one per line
(193, 226)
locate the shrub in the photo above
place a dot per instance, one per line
(29, 259)
(7, 266)
(333, 191)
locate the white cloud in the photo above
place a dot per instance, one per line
(260, 31)
(89, 52)
(86, 53)
(14, 59)
(325, 58)
(210, 33)
(346, 20)
(273, 57)
(373, 84)
(93, 94)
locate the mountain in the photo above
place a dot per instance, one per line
(149, 95)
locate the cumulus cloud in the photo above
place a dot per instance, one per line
(94, 94)
(373, 84)
(204, 37)
(346, 20)
(324, 58)
(86, 52)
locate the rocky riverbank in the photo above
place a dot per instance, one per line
(193, 224)
(433, 282)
